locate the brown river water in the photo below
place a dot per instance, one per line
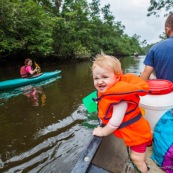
(44, 127)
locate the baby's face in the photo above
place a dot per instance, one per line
(104, 78)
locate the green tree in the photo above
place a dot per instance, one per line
(108, 18)
(73, 28)
(156, 6)
(25, 27)
(64, 29)
(94, 9)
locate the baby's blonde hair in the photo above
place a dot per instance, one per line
(107, 61)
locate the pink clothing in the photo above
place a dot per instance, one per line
(140, 148)
(28, 69)
(23, 72)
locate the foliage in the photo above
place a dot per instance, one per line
(25, 26)
(65, 29)
(146, 48)
(156, 6)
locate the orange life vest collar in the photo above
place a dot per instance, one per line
(124, 90)
(128, 84)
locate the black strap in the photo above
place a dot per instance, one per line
(131, 121)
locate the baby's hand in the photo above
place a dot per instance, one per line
(97, 131)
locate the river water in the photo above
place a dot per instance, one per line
(45, 127)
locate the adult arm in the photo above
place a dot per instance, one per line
(115, 121)
(147, 72)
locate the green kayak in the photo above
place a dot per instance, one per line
(15, 83)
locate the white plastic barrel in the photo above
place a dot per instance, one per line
(158, 102)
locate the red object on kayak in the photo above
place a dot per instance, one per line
(160, 86)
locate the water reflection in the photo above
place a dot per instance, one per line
(50, 144)
(91, 121)
(36, 95)
(132, 65)
(25, 90)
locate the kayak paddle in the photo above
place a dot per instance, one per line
(89, 103)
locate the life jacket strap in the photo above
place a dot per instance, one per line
(131, 121)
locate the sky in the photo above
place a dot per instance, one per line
(133, 15)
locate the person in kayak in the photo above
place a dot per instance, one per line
(27, 70)
(118, 107)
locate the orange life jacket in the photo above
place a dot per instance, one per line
(23, 72)
(134, 129)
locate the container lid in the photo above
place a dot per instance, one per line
(160, 86)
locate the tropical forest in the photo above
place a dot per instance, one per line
(63, 30)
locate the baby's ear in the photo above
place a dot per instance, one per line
(117, 76)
